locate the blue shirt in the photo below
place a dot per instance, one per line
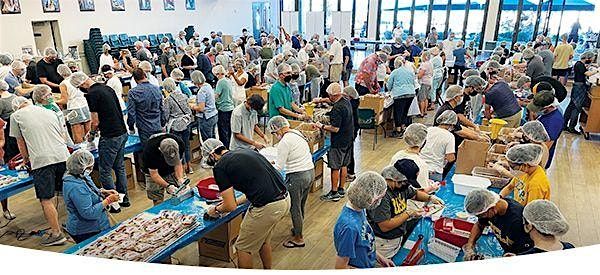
(205, 67)
(353, 238)
(553, 123)
(85, 213)
(12, 82)
(207, 95)
(502, 99)
(145, 108)
(401, 82)
(184, 89)
(459, 54)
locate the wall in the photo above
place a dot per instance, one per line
(372, 19)
(229, 16)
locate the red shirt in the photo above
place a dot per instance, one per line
(367, 73)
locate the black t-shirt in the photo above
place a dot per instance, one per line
(393, 204)
(395, 51)
(251, 81)
(186, 61)
(31, 74)
(48, 71)
(536, 250)
(445, 107)
(250, 173)
(346, 53)
(103, 100)
(341, 117)
(153, 158)
(579, 70)
(508, 229)
(164, 59)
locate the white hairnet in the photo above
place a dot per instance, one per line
(276, 123)
(399, 61)
(535, 131)
(391, 173)
(493, 64)
(210, 145)
(63, 70)
(39, 93)
(169, 84)
(18, 65)
(19, 101)
(79, 161)
(177, 74)
(530, 154)
(5, 59)
(351, 92)
(470, 72)
(415, 135)
(452, 92)
(448, 117)
(26, 57)
(50, 52)
(283, 67)
(219, 69)
(3, 85)
(145, 66)
(479, 201)
(105, 47)
(365, 189)
(475, 81)
(334, 89)
(522, 80)
(198, 77)
(387, 49)
(78, 78)
(545, 217)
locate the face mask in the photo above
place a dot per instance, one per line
(374, 204)
(50, 100)
(588, 62)
(295, 76)
(211, 161)
(287, 79)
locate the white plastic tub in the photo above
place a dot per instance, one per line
(463, 184)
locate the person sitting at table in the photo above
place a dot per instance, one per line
(162, 158)
(244, 124)
(252, 174)
(528, 179)
(533, 132)
(281, 101)
(86, 204)
(107, 118)
(390, 217)
(353, 237)
(503, 215)
(439, 149)
(545, 224)
(293, 157)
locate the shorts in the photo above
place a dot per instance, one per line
(335, 72)
(156, 192)
(258, 225)
(83, 115)
(47, 180)
(513, 121)
(561, 72)
(423, 93)
(339, 157)
(388, 248)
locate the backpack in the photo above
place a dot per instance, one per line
(180, 122)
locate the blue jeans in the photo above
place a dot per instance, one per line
(224, 127)
(111, 154)
(185, 137)
(207, 127)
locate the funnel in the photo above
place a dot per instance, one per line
(496, 124)
(309, 108)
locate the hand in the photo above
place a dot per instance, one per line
(316, 100)
(433, 186)
(483, 138)
(414, 214)
(385, 262)
(171, 189)
(258, 145)
(477, 128)
(509, 254)
(501, 170)
(318, 125)
(183, 181)
(212, 211)
(436, 200)
(113, 198)
(469, 251)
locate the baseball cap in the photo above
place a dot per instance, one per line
(170, 151)
(409, 169)
(540, 100)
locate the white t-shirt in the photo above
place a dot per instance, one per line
(105, 60)
(423, 177)
(381, 72)
(293, 153)
(76, 98)
(449, 47)
(440, 142)
(115, 83)
(239, 91)
(336, 51)
(303, 57)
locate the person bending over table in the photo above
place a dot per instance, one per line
(503, 215)
(545, 224)
(244, 123)
(501, 102)
(389, 219)
(352, 235)
(252, 174)
(162, 157)
(281, 101)
(439, 149)
(86, 204)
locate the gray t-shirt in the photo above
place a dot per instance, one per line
(6, 107)
(243, 122)
(548, 59)
(42, 132)
(392, 204)
(535, 67)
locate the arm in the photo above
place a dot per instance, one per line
(229, 202)
(508, 188)
(244, 139)
(330, 128)
(163, 69)
(487, 112)
(85, 206)
(450, 157)
(394, 222)
(95, 121)
(64, 95)
(549, 143)
(45, 80)
(422, 196)
(297, 108)
(23, 149)
(289, 113)
(259, 132)
(199, 107)
(131, 111)
(2, 139)
(475, 234)
(240, 81)
(157, 178)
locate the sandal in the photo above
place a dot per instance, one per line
(9, 216)
(291, 244)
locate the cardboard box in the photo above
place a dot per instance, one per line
(498, 181)
(498, 149)
(376, 103)
(218, 244)
(196, 155)
(471, 154)
(263, 91)
(318, 183)
(195, 142)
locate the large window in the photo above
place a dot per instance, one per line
(289, 5)
(508, 19)
(527, 23)
(360, 18)
(332, 5)
(438, 17)
(475, 22)
(316, 5)
(386, 23)
(421, 17)
(457, 18)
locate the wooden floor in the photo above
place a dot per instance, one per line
(575, 188)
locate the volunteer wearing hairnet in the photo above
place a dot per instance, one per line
(86, 204)
(579, 93)
(353, 237)
(148, 68)
(389, 218)
(179, 117)
(545, 224)
(533, 132)
(249, 172)
(162, 158)
(414, 136)
(352, 95)
(439, 150)
(523, 91)
(500, 102)
(293, 157)
(474, 86)
(178, 76)
(529, 181)
(504, 216)
(47, 69)
(544, 106)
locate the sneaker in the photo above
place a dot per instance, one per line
(9, 216)
(396, 134)
(330, 196)
(125, 204)
(341, 192)
(350, 177)
(190, 171)
(50, 240)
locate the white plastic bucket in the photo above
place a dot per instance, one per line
(463, 184)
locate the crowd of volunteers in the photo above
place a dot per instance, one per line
(48, 107)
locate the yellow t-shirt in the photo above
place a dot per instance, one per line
(531, 187)
(562, 54)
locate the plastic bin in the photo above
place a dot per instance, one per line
(208, 189)
(463, 184)
(453, 231)
(495, 178)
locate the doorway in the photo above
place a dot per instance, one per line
(47, 34)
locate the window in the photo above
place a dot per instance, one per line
(527, 23)
(346, 5)
(508, 17)
(438, 17)
(457, 18)
(360, 18)
(403, 15)
(332, 5)
(316, 5)
(305, 8)
(421, 17)
(475, 22)
(386, 24)
(289, 5)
